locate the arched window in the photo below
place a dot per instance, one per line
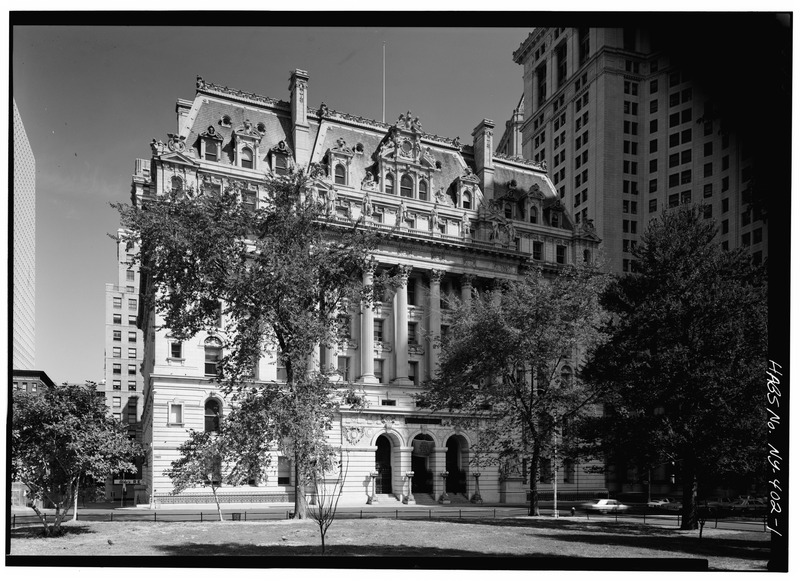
(212, 153)
(423, 190)
(339, 175)
(388, 184)
(177, 184)
(554, 219)
(406, 186)
(247, 158)
(466, 200)
(212, 415)
(534, 215)
(213, 353)
(587, 256)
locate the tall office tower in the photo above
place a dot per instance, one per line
(24, 334)
(626, 131)
(124, 348)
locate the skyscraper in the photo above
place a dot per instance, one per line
(626, 131)
(24, 333)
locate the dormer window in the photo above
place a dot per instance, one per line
(247, 158)
(406, 186)
(225, 121)
(466, 200)
(281, 164)
(177, 184)
(423, 190)
(534, 218)
(509, 211)
(340, 175)
(212, 151)
(554, 219)
(388, 184)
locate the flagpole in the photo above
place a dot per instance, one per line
(383, 113)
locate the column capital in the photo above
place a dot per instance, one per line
(370, 264)
(435, 275)
(403, 270)
(468, 278)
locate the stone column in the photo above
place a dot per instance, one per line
(466, 288)
(401, 329)
(439, 466)
(434, 320)
(367, 337)
(403, 468)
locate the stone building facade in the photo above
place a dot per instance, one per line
(458, 217)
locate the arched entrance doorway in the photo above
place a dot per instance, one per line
(422, 448)
(383, 466)
(456, 465)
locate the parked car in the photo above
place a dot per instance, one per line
(658, 503)
(719, 504)
(744, 506)
(674, 505)
(604, 505)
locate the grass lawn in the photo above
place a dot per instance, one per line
(511, 537)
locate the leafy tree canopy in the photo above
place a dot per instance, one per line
(61, 435)
(682, 370)
(511, 356)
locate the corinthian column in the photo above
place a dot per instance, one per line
(367, 338)
(434, 319)
(466, 288)
(401, 329)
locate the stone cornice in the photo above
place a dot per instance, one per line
(521, 161)
(253, 98)
(528, 44)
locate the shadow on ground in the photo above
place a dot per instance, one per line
(37, 531)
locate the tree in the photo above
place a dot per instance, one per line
(683, 369)
(326, 498)
(60, 436)
(282, 273)
(512, 352)
(200, 464)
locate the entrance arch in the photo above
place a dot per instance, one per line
(456, 463)
(422, 447)
(383, 465)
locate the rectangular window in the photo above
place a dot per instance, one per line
(708, 190)
(686, 115)
(345, 322)
(131, 336)
(117, 335)
(626, 226)
(132, 369)
(343, 367)
(537, 251)
(686, 156)
(654, 86)
(561, 254)
(674, 180)
(654, 106)
(131, 386)
(707, 211)
(653, 125)
(674, 160)
(411, 292)
(725, 205)
(757, 235)
(377, 330)
(686, 197)
(724, 226)
(131, 319)
(674, 99)
(176, 350)
(686, 136)
(132, 352)
(652, 205)
(131, 417)
(726, 162)
(675, 140)
(116, 352)
(746, 239)
(116, 401)
(132, 304)
(686, 176)
(117, 318)
(583, 45)
(653, 145)
(561, 63)
(708, 149)
(117, 416)
(117, 302)
(541, 84)
(708, 170)
(674, 200)
(117, 368)
(653, 165)
(129, 275)
(176, 414)
(116, 385)
(378, 367)
(412, 333)
(413, 371)
(746, 218)
(284, 471)
(674, 119)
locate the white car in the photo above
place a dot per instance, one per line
(659, 503)
(675, 505)
(604, 505)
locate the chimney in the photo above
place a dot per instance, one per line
(484, 148)
(298, 87)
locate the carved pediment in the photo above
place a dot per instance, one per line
(469, 177)
(281, 149)
(536, 192)
(341, 148)
(177, 158)
(248, 131)
(211, 133)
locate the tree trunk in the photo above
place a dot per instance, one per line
(533, 509)
(300, 503)
(689, 481)
(75, 502)
(216, 499)
(42, 517)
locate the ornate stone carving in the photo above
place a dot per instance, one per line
(435, 275)
(415, 349)
(435, 221)
(442, 198)
(366, 207)
(157, 147)
(207, 87)
(330, 202)
(353, 435)
(176, 142)
(403, 270)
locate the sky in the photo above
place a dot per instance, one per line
(93, 97)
